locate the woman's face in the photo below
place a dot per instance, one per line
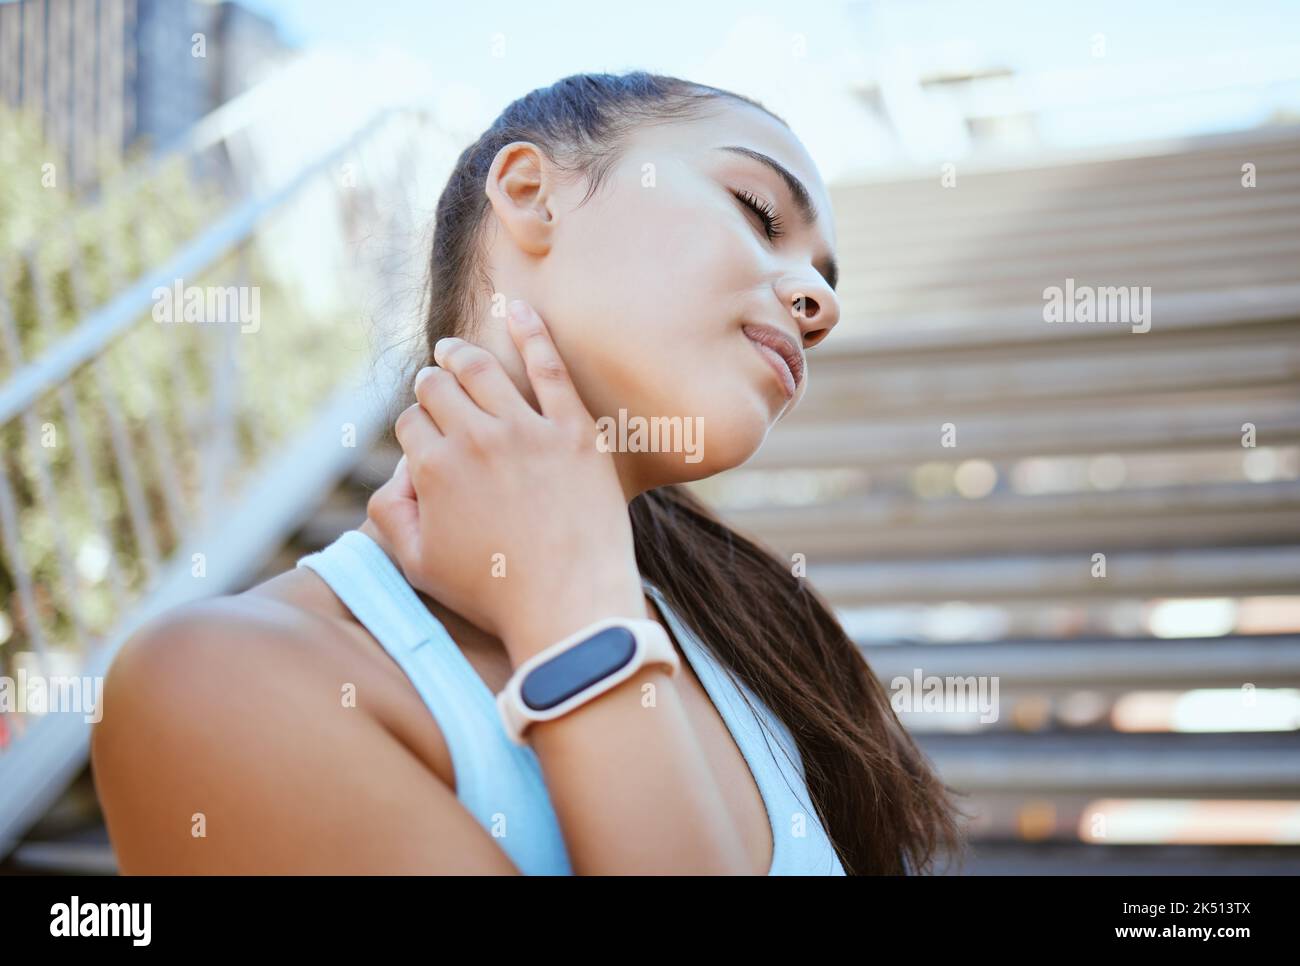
(650, 288)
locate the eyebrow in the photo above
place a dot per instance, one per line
(802, 199)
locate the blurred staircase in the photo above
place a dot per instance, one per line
(1071, 440)
(1116, 750)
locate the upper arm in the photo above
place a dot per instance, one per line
(225, 746)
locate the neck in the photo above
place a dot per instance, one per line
(491, 334)
(460, 629)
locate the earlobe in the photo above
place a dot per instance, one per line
(519, 188)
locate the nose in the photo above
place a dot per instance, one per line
(813, 306)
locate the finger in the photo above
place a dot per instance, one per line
(401, 478)
(418, 435)
(394, 510)
(445, 400)
(481, 375)
(556, 394)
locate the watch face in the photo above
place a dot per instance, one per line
(578, 668)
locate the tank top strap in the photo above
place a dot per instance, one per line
(778, 771)
(751, 715)
(498, 781)
(369, 583)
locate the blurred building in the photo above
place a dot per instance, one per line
(107, 75)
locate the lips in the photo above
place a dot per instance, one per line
(781, 353)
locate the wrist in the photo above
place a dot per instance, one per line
(607, 655)
(547, 622)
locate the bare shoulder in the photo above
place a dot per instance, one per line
(280, 631)
(248, 733)
(264, 621)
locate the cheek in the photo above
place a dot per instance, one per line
(646, 251)
(651, 293)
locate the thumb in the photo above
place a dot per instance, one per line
(395, 512)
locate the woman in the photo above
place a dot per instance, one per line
(667, 251)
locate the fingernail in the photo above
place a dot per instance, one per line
(441, 346)
(520, 312)
(423, 374)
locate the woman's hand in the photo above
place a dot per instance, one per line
(512, 518)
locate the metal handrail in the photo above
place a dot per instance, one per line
(290, 479)
(98, 329)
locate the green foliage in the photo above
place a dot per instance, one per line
(152, 390)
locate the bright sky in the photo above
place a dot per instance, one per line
(803, 59)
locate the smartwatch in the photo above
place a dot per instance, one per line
(587, 663)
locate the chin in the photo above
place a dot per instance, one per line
(733, 436)
(720, 442)
(730, 422)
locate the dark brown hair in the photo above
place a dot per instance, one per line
(875, 793)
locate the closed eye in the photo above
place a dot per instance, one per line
(766, 212)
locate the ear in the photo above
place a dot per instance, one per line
(520, 187)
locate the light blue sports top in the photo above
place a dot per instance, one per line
(500, 783)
